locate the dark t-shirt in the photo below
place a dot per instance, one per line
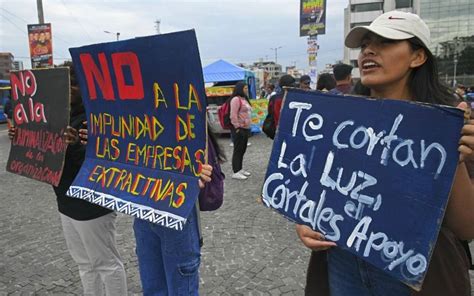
(75, 208)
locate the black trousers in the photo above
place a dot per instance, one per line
(240, 146)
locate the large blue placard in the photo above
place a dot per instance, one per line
(373, 176)
(146, 126)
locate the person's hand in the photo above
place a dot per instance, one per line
(11, 132)
(206, 174)
(466, 143)
(313, 239)
(83, 134)
(71, 136)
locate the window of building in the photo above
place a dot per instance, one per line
(403, 3)
(367, 7)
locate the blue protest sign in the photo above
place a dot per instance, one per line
(145, 104)
(371, 175)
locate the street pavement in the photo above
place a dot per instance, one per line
(248, 248)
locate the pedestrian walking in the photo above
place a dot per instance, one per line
(395, 63)
(240, 115)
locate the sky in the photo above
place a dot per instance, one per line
(238, 31)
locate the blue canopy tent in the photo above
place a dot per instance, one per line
(222, 71)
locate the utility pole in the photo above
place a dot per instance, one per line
(276, 53)
(39, 5)
(157, 26)
(455, 68)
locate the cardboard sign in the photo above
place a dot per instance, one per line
(41, 45)
(145, 103)
(371, 175)
(40, 102)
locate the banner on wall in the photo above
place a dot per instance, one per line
(146, 109)
(40, 100)
(41, 45)
(312, 17)
(373, 176)
(259, 112)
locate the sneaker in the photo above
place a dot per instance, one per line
(239, 176)
(248, 143)
(245, 173)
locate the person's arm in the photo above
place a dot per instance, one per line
(460, 211)
(205, 176)
(11, 132)
(312, 239)
(234, 112)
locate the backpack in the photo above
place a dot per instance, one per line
(211, 196)
(269, 124)
(224, 114)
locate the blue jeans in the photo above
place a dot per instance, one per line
(168, 259)
(349, 275)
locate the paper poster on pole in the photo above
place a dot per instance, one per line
(41, 45)
(40, 102)
(145, 103)
(312, 17)
(373, 176)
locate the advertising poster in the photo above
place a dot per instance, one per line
(41, 45)
(373, 176)
(146, 109)
(312, 17)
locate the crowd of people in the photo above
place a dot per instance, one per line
(395, 62)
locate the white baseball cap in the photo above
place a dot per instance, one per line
(394, 25)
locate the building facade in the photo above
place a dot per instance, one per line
(6, 65)
(295, 72)
(274, 70)
(451, 23)
(18, 65)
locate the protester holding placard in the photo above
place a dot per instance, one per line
(396, 63)
(169, 260)
(89, 229)
(240, 115)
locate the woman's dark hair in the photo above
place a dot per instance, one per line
(239, 90)
(424, 83)
(76, 101)
(326, 81)
(219, 152)
(72, 73)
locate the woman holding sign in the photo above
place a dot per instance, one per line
(395, 63)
